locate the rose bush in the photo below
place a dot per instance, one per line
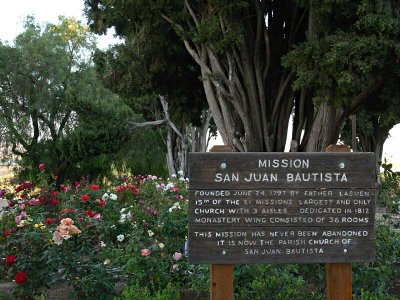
(90, 235)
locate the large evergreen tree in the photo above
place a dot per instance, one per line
(53, 108)
(348, 54)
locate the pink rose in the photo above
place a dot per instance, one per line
(32, 202)
(97, 217)
(18, 219)
(22, 206)
(174, 268)
(145, 252)
(177, 256)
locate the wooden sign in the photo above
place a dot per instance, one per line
(281, 207)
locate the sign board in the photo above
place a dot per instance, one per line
(281, 207)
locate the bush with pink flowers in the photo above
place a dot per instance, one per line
(91, 235)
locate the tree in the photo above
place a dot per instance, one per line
(53, 108)
(238, 46)
(37, 75)
(337, 55)
(157, 75)
(348, 62)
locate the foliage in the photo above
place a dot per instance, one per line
(131, 227)
(344, 55)
(272, 282)
(133, 230)
(376, 277)
(37, 75)
(55, 110)
(237, 46)
(365, 295)
(350, 59)
(134, 292)
(389, 193)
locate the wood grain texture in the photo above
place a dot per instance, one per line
(281, 170)
(221, 276)
(283, 206)
(338, 207)
(339, 275)
(221, 282)
(338, 281)
(253, 245)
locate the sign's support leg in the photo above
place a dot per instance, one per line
(221, 276)
(338, 276)
(338, 281)
(221, 282)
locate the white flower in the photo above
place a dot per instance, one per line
(122, 219)
(120, 238)
(151, 233)
(173, 175)
(161, 245)
(175, 206)
(168, 186)
(113, 197)
(180, 173)
(105, 197)
(102, 244)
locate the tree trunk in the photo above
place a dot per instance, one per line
(374, 141)
(248, 90)
(170, 155)
(325, 128)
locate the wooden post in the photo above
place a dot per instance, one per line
(338, 276)
(221, 276)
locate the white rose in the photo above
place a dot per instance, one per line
(120, 238)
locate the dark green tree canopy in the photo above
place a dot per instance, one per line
(337, 57)
(55, 110)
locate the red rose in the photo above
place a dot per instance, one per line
(102, 202)
(48, 221)
(10, 260)
(118, 189)
(42, 166)
(95, 187)
(8, 232)
(54, 202)
(42, 200)
(54, 193)
(89, 213)
(20, 277)
(77, 184)
(85, 197)
(67, 210)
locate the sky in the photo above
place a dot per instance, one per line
(13, 13)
